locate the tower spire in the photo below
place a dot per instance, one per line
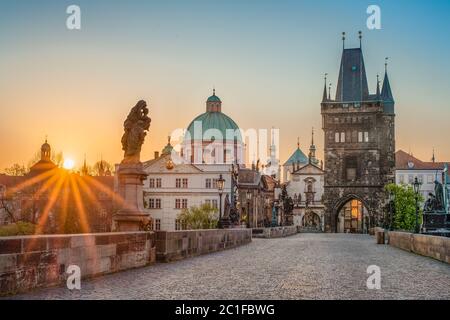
(324, 97)
(360, 39)
(378, 87)
(433, 158)
(329, 91)
(343, 40)
(298, 142)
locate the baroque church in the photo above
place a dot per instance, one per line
(359, 147)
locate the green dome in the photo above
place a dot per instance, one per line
(213, 120)
(213, 98)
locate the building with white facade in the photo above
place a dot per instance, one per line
(305, 185)
(408, 167)
(178, 181)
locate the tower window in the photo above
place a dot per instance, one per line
(366, 136)
(351, 166)
(336, 137)
(342, 136)
(360, 137)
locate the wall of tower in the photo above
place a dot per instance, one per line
(359, 158)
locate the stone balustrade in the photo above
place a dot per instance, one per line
(425, 245)
(28, 262)
(275, 232)
(176, 245)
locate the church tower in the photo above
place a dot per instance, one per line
(359, 134)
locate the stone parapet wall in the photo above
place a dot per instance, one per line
(176, 245)
(425, 245)
(28, 262)
(276, 232)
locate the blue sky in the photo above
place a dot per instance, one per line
(265, 58)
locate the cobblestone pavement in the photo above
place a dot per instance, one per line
(305, 266)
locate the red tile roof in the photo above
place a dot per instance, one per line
(402, 159)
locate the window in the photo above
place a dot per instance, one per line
(208, 184)
(177, 224)
(208, 202)
(158, 183)
(178, 183)
(177, 203)
(185, 183)
(366, 136)
(351, 165)
(181, 203)
(430, 178)
(151, 183)
(157, 224)
(401, 178)
(184, 204)
(154, 203)
(410, 178)
(342, 136)
(420, 178)
(215, 204)
(360, 137)
(215, 183)
(336, 137)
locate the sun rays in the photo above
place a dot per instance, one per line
(59, 199)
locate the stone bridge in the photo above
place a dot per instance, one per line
(304, 266)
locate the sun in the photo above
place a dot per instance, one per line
(68, 164)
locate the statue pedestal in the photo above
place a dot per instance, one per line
(131, 214)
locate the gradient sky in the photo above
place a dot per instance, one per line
(265, 58)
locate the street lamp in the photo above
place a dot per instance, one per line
(220, 186)
(416, 186)
(249, 198)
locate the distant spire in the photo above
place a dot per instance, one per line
(433, 158)
(298, 142)
(386, 64)
(360, 39)
(343, 40)
(329, 91)
(214, 91)
(324, 98)
(312, 136)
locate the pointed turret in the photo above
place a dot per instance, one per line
(325, 95)
(352, 83)
(386, 93)
(378, 98)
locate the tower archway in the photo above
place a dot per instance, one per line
(352, 216)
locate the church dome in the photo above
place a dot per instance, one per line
(213, 120)
(214, 98)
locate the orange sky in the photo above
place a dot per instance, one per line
(77, 87)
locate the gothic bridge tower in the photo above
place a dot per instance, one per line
(359, 131)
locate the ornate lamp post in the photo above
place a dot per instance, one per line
(416, 186)
(249, 198)
(220, 186)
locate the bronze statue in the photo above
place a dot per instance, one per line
(439, 194)
(135, 126)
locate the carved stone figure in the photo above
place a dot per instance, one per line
(439, 194)
(135, 129)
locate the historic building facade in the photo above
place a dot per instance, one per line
(171, 187)
(305, 186)
(408, 167)
(359, 131)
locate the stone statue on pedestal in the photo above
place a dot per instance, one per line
(131, 216)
